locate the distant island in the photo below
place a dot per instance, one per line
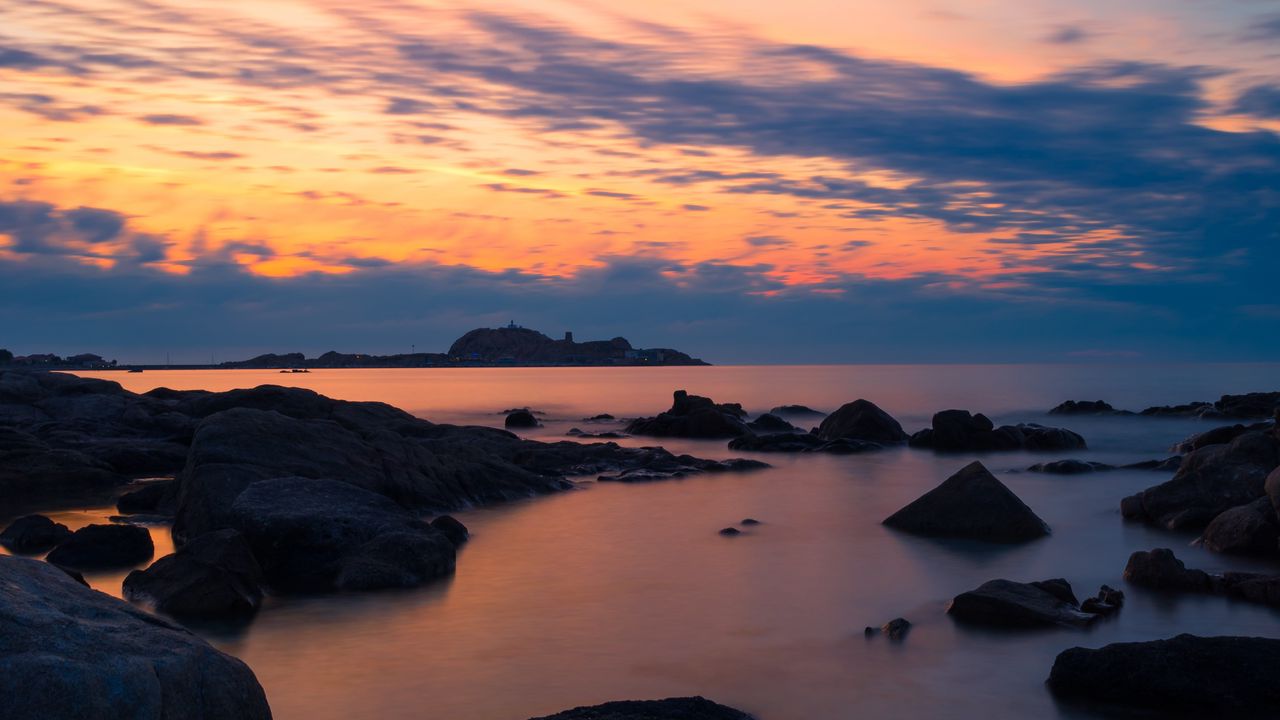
(483, 347)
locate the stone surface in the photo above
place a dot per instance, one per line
(33, 534)
(71, 653)
(213, 576)
(94, 547)
(1252, 529)
(1185, 676)
(687, 708)
(970, 504)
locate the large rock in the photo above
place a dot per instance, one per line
(962, 431)
(213, 576)
(1185, 676)
(1159, 570)
(95, 547)
(1004, 603)
(1087, 407)
(970, 504)
(69, 653)
(315, 535)
(685, 708)
(1251, 406)
(693, 416)
(521, 419)
(862, 420)
(33, 534)
(1210, 481)
(1251, 529)
(770, 423)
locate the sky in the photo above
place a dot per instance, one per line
(747, 181)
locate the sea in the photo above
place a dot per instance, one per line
(614, 591)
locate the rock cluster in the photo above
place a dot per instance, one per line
(694, 416)
(1009, 604)
(962, 431)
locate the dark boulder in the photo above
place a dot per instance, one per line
(452, 529)
(685, 708)
(70, 653)
(962, 431)
(862, 420)
(693, 416)
(1159, 569)
(1251, 529)
(212, 576)
(1185, 676)
(749, 521)
(1108, 601)
(146, 499)
(521, 419)
(316, 535)
(896, 629)
(797, 411)
(730, 531)
(770, 423)
(33, 534)
(1070, 467)
(1087, 407)
(970, 504)
(1008, 604)
(95, 547)
(1209, 481)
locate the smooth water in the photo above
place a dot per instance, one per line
(627, 591)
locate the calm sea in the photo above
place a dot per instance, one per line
(615, 591)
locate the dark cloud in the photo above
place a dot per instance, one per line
(170, 119)
(1263, 29)
(95, 224)
(508, 188)
(694, 208)
(1068, 35)
(766, 241)
(1260, 101)
(49, 107)
(406, 106)
(21, 59)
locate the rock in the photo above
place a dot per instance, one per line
(1070, 467)
(797, 411)
(602, 417)
(1168, 464)
(693, 416)
(316, 535)
(1218, 436)
(1087, 407)
(1185, 676)
(96, 547)
(213, 576)
(801, 442)
(608, 435)
(31, 467)
(1209, 481)
(1251, 406)
(521, 419)
(685, 708)
(896, 629)
(1245, 529)
(33, 534)
(770, 423)
(862, 420)
(730, 531)
(1160, 570)
(749, 521)
(452, 529)
(1008, 604)
(1107, 602)
(69, 652)
(679, 467)
(961, 431)
(146, 499)
(970, 504)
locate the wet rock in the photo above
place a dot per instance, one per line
(316, 535)
(96, 547)
(1087, 407)
(896, 629)
(1070, 467)
(1185, 676)
(770, 423)
(797, 411)
(452, 529)
(146, 499)
(70, 653)
(521, 419)
(864, 421)
(33, 534)
(730, 531)
(1209, 481)
(693, 416)
(1008, 604)
(970, 504)
(213, 576)
(962, 431)
(685, 708)
(1252, 529)
(1159, 569)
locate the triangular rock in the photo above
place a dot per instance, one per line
(970, 504)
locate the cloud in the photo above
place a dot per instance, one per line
(766, 241)
(170, 119)
(1068, 35)
(1263, 29)
(42, 229)
(406, 106)
(21, 59)
(1260, 101)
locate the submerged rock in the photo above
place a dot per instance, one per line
(797, 411)
(452, 529)
(521, 419)
(213, 576)
(685, 708)
(95, 547)
(1070, 467)
(1185, 676)
(70, 653)
(730, 531)
(970, 504)
(962, 431)
(1087, 407)
(693, 416)
(33, 534)
(896, 629)
(1009, 604)
(862, 420)
(681, 466)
